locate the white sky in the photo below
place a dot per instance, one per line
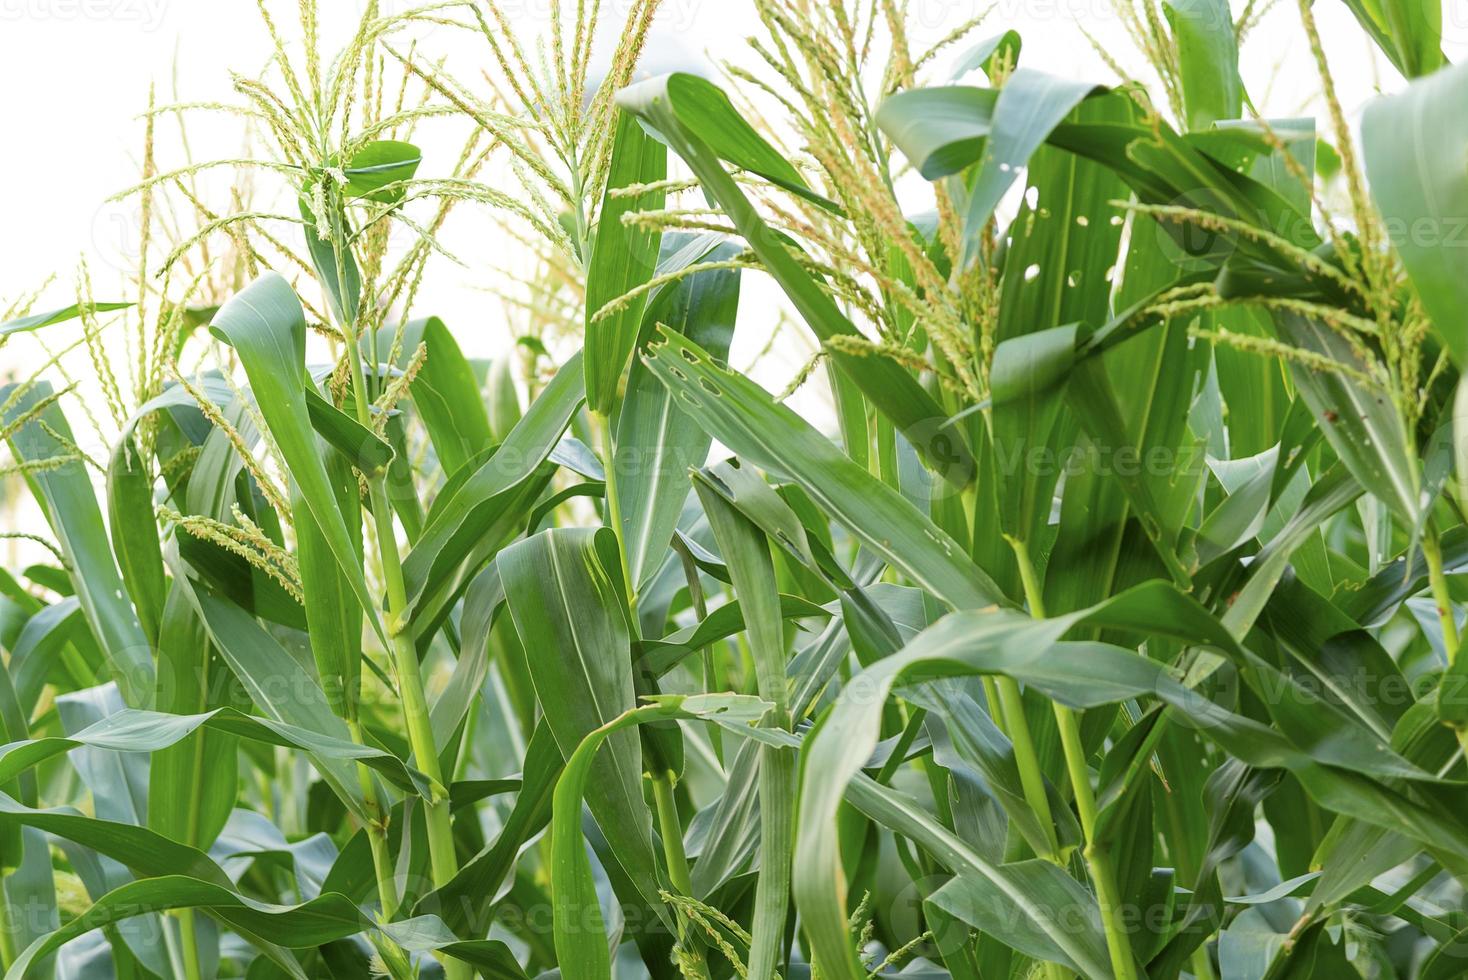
(75, 73)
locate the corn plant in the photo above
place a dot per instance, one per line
(1110, 632)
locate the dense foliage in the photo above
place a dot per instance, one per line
(1111, 630)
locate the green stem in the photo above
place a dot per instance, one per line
(387, 893)
(602, 426)
(969, 496)
(378, 813)
(1055, 971)
(706, 653)
(190, 940)
(399, 967)
(1017, 727)
(442, 860)
(670, 827)
(1075, 765)
(1031, 777)
(415, 702)
(1028, 577)
(1118, 943)
(1098, 858)
(186, 930)
(1443, 598)
(7, 938)
(1432, 551)
(580, 225)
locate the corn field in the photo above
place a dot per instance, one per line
(1103, 624)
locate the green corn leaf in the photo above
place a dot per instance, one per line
(984, 55)
(446, 392)
(483, 601)
(136, 730)
(135, 534)
(35, 321)
(564, 593)
(1096, 406)
(1409, 32)
(342, 283)
(664, 103)
(1084, 675)
(1208, 53)
(321, 920)
(40, 643)
(657, 442)
(379, 164)
(662, 654)
(1026, 381)
(362, 447)
(941, 129)
(747, 553)
(1221, 737)
(192, 782)
(267, 328)
(464, 899)
(1030, 105)
(460, 521)
(622, 258)
(579, 928)
(333, 615)
(745, 418)
(1411, 144)
(979, 742)
(70, 506)
(264, 668)
(1358, 419)
(701, 109)
(1033, 886)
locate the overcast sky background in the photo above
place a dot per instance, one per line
(76, 73)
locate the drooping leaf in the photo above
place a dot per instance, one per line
(1409, 32)
(375, 167)
(1029, 106)
(453, 542)
(135, 534)
(35, 321)
(703, 110)
(940, 129)
(745, 418)
(445, 392)
(267, 328)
